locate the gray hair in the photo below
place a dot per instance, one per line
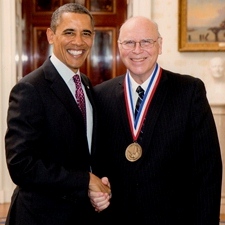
(68, 8)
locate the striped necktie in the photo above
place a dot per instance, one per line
(140, 92)
(79, 94)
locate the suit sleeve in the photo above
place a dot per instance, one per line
(207, 169)
(31, 159)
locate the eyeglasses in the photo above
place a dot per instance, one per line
(145, 43)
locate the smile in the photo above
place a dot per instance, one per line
(75, 52)
(139, 59)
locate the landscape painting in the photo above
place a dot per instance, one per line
(202, 25)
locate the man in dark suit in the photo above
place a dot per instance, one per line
(49, 143)
(162, 157)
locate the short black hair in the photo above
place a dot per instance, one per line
(69, 7)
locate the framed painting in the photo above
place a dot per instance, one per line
(201, 25)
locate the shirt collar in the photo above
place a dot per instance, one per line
(134, 84)
(65, 72)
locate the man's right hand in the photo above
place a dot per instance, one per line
(96, 185)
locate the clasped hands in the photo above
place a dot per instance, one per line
(99, 192)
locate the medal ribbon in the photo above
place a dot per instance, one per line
(135, 125)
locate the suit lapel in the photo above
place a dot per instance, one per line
(122, 109)
(152, 114)
(61, 90)
(154, 111)
(88, 88)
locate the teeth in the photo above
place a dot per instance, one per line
(138, 60)
(75, 52)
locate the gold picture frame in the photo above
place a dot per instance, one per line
(194, 33)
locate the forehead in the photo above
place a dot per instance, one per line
(138, 29)
(75, 20)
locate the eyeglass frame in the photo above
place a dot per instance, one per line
(151, 42)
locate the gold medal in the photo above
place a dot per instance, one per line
(133, 152)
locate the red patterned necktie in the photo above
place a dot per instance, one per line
(80, 96)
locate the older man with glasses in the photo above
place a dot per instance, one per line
(161, 154)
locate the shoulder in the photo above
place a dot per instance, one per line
(46, 67)
(181, 86)
(46, 72)
(110, 84)
(179, 79)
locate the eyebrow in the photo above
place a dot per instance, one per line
(73, 30)
(70, 30)
(88, 31)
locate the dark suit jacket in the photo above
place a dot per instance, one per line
(178, 178)
(47, 151)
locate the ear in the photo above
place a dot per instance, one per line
(50, 34)
(160, 40)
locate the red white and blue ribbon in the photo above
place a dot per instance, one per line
(135, 125)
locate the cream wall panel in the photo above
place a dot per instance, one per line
(219, 116)
(7, 80)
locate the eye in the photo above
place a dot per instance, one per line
(147, 41)
(69, 33)
(129, 42)
(87, 33)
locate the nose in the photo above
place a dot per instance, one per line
(78, 39)
(137, 47)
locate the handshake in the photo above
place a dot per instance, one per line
(99, 192)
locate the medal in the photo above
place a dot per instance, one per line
(133, 152)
